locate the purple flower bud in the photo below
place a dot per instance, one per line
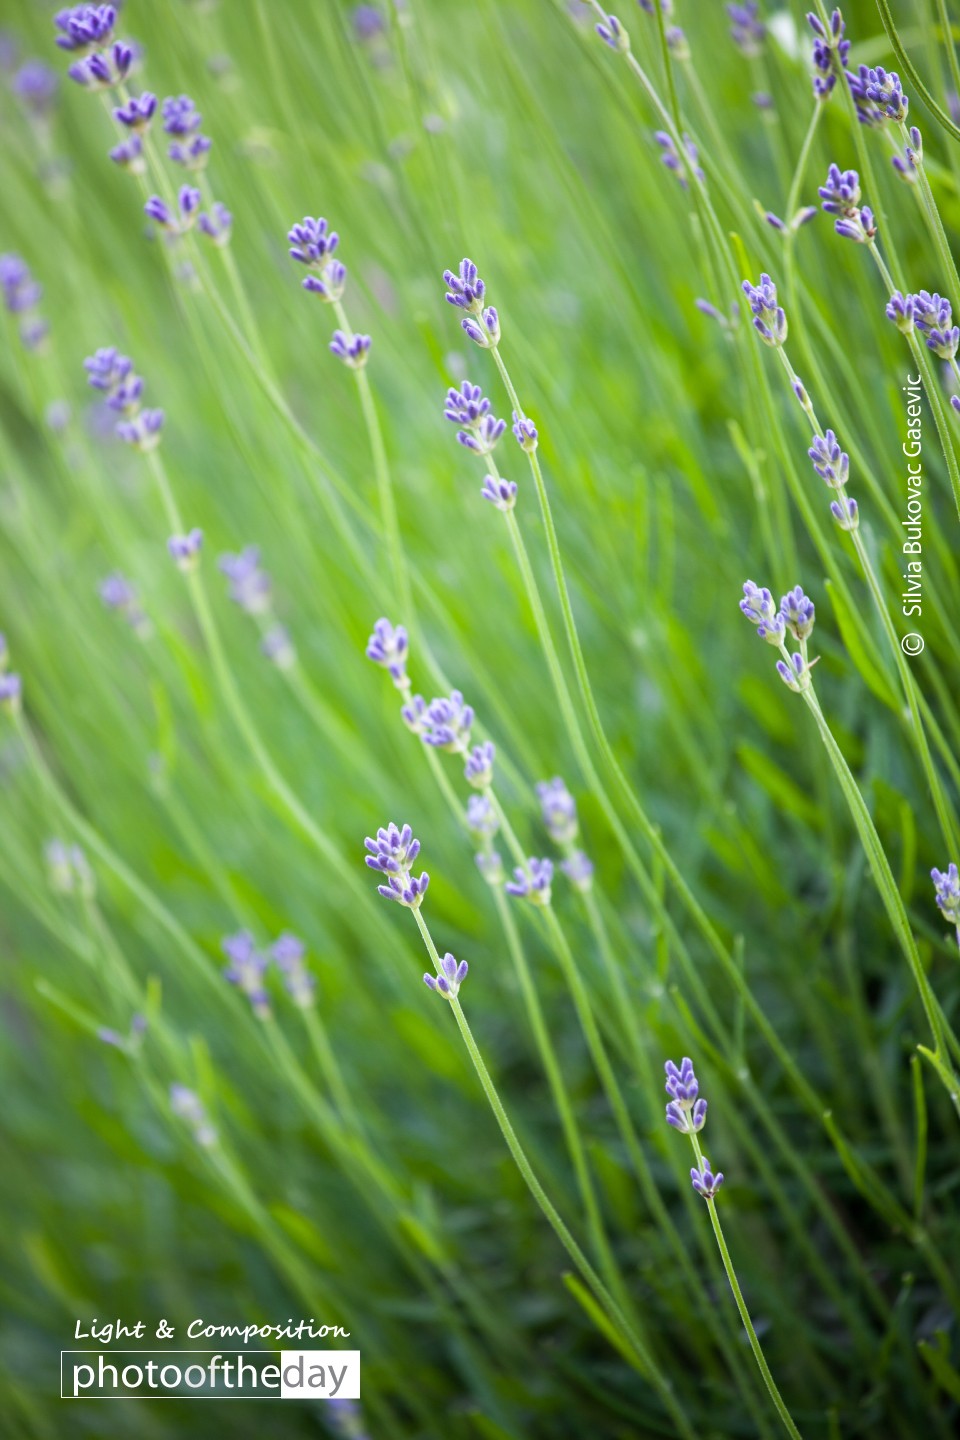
(830, 462)
(20, 291)
(482, 817)
(138, 111)
(287, 953)
(333, 283)
(479, 767)
(35, 86)
(878, 96)
(192, 154)
(578, 868)
(467, 406)
(860, 226)
(485, 331)
(129, 155)
(84, 26)
(525, 433)
(465, 290)
(947, 886)
(104, 69)
(179, 115)
(798, 613)
(143, 431)
(451, 976)
(388, 646)
(685, 1111)
(559, 811)
(532, 883)
(11, 690)
(393, 851)
(446, 723)
(840, 193)
(216, 223)
(768, 317)
(747, 30)
(705, 1182)
(353, 350)
(846, 515)
(502, 493)
(185, 549)
(672, 159)
(796, 674)
(612, 33)
(482, 437)
(249, 586)
(759, 608)
(245, 968)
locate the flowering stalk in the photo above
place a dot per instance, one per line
(631, 1341)
(687, 1113)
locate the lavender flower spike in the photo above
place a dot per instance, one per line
(705, 1182)
(180, 117)
(532, 883)
(947, 884)
(685, 1112)
(796, 674)
(217, 224)
(484, 331)
(768, 317)
(188, 203)
(353, 350)
(878, 96)
(313, 243)
(185, 549)
(105, 69)
(137, 112)
(502, 493)
(483, 437)
(759, 607)
(388, 646)
(479, 767)
(860, 226)
(466, 406)
(559, 811)
(846, 515)
(143, 430)
(451, 977)
(798, 613)
(830, 51)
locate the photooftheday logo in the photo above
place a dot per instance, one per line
(208, 1375)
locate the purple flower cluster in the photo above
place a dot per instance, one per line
(178, 219)
(35, 86)
(830, 462)
(389, 646)
(118, 594)
(392, 854)
(104, 69)
(466, 291)
(704, 1181)
(500, 492)
(795, 614)
(676, 163)
(907, 164)
(113, 375)
(137, 112)
(532, 882)
(470, 409)
(314, 244)
(933, 317)
(353, 350)
(21, 297)
(578, 868)
(685, 1111)
(83, 27)
(287, 953)
(245, 969)
(248, 585)
(185, 549)
(277, 647)
(747, 30)
(445, 723)
(559, 811)
(840, 196)
(478, 769)
(947, 887)
(217, 224)
(482, 817)
(878, 96)
(450, 978)
(769, 317)
(830, 51)
(612, 33)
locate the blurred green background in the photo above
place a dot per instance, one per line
(509, 133)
